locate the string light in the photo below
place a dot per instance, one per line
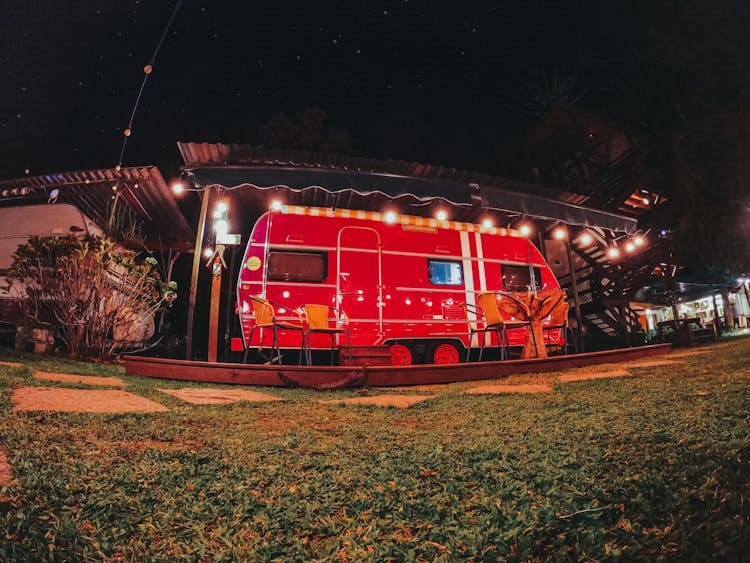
(276, 205)
(221, 209)
(441, 215)
(613, 252)
(178, 188)
(147, 70)
(390, 217)
(586, 239)
(629, 246)
(221, 227)
(559, 233)
(487, 223)
(639, 240)
(525, 229)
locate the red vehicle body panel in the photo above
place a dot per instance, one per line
(379, 274)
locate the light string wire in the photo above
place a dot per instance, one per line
(146, 71)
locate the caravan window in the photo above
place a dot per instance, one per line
(518, 278)
(444, 272)
(297, 266)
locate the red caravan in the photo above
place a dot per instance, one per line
(401, 280)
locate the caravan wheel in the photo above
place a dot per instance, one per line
(401, 355)
(446, 353)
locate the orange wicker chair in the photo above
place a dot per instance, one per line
(318, 322)
(558, 320)
(477, 325)
(265, 318)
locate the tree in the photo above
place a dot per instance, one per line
(308, 130)
(689, 86)
(94, 296)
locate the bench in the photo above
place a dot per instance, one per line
(686, 332)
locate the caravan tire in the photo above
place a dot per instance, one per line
(401, 354)
(445, 353)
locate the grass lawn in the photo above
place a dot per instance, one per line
(654, 465)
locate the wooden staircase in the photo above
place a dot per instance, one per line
(365, 356)
(605, 288)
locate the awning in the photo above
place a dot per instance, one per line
(333, 181)
(548, 209)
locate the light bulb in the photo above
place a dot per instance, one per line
(221, 227)
(221, 209)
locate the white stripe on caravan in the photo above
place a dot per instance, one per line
(469, 279)
(480, 264)
(468, 273)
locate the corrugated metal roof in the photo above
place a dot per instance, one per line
(323, 179)
(142, 189)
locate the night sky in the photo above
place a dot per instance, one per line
(436, 82)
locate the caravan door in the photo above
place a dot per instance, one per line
(359, 283)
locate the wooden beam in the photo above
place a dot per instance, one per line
(198, 249)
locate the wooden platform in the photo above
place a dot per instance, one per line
(334, 377)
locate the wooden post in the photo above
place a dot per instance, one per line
(194, 278)
(213, 317)
(576, 298)
(717, 319)
(727, 304)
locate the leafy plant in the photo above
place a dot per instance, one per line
(93, 295)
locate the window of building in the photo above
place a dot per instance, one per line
(518, 278)
(297, 266)
(444, 272)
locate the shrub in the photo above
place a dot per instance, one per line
(95, 297)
